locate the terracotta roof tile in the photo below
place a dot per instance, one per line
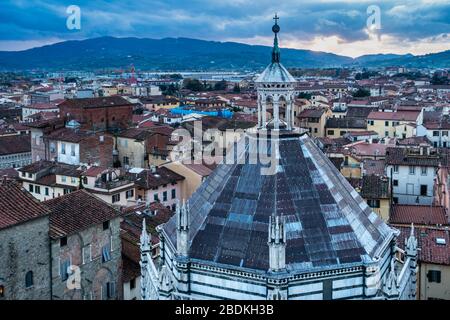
(405, 156)
(15, 144)
(102, 102)
(399, 115)
(311, 113)
(148, 180)
(77, 211)
(17, 205)
(419, 215)
(430, 251)
(373, 167)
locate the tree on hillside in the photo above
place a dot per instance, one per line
(236, 88)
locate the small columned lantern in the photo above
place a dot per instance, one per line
(276, 91)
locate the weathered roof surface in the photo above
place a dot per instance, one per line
(371, 167)
(199, 169)
(414, 141)
(360, 112)
(399, 115)
(328, 224)
(68, 135)
(148, 179)
(17, 205)
(430, 251)
(404, 156)
(101, 102)
(422, 215)
(275, 73)
(311, 113)
(346, 123)
(136, 133)
(50, 167)
(375, 187)
(15, 144)
(77, 211)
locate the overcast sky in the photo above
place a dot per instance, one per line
(408, 26)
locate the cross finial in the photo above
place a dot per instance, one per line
(276, 18)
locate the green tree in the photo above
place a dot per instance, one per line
(360, 93)
(236, 88)
(176, 76)
(221, 85)
(169, 90)
(193, 85)
(438, 80)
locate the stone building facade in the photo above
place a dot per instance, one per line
(85, 248)
(24, 245)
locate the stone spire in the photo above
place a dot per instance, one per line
(276, 49)
(411, 244)
(149, 273)
(145, 254)
(277, 243)
(390, 287)
(182, 228)
(411, 252)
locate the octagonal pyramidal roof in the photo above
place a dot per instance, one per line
(275, 73)
(328, 225)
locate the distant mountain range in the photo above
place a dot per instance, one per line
(190, 54)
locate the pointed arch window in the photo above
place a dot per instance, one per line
(29, 279)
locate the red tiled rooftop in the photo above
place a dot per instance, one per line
(42, 106)
(68, 135)
(418, 214)
(17, 205)
(311, 113)
(15, 144)
(362, 133)
(101, 102)
(398, 116)
(77, 211)
(148, 179)
(200, 169)
(148, 123)
(94, 171)
(370, 149)
(430, 251)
